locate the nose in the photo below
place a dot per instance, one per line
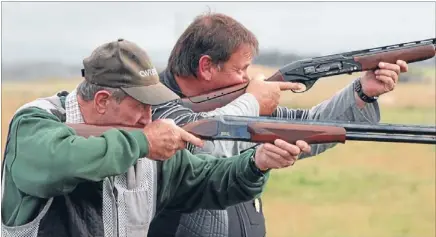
(143, 122)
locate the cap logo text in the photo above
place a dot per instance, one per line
(148, 72)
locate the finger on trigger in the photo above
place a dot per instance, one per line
(187, 137)
(284, 86)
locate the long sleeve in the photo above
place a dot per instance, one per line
(188, 182)
(341, 107)
(45, 158)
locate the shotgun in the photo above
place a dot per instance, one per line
(308, 71)
(267, 129)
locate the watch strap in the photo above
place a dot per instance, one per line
(363, 96)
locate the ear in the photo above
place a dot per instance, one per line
(101, 101)
(205, 67)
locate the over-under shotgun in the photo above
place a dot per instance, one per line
(266, 130)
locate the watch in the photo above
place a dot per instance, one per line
(254, 166)
(362, 96)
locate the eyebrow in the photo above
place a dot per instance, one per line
(242, 66)
(246, 65)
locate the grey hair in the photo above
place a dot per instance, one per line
(87, 91)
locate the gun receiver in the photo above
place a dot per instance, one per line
(308, 71)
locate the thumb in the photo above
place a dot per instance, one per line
(284, 86)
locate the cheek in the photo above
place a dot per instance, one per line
(231, 78)
(128, 117)
(238, 76)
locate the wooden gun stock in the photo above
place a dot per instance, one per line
(268, 132)
(219, 98)
(409, 55)
(312, 134)
(86, 130)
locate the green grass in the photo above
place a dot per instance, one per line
(316, 185)
(408, 115)
(358, 189)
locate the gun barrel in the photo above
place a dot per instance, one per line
(390, 138)
(390, 129)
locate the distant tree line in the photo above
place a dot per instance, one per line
(42, 70)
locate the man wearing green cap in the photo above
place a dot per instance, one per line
(59, 183)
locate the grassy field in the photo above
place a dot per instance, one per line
(356, 189)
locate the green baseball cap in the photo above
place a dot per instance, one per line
(123, 64)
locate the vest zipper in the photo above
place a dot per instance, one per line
(115, 192)
(242, 221)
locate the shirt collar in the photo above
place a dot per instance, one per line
(167, 78)
(72, 108)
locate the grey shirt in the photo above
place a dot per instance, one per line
(341, 107)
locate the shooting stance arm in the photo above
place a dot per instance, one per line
(245, 105)
(340, 107)
(47, 158)
(189, 182)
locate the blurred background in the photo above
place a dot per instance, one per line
(356, 189)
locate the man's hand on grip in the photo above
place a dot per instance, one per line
(268, 93)
(165, 138)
